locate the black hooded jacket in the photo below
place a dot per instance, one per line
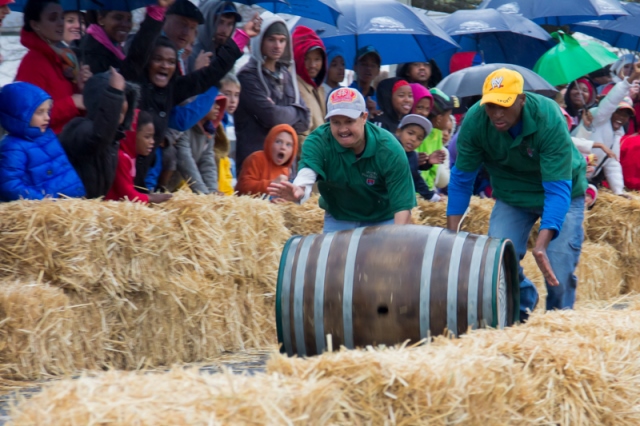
(92, 142)
(389, 118)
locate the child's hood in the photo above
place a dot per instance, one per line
(419, 92)
(128, 144)
(305, 39)
(93, 92)
(271, 138)
(256, 42)
(18, 102)
(221, 100)
(385, 95)
(332, 52)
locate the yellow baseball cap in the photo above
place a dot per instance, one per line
(502, 87)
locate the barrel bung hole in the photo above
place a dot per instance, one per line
(383, 310)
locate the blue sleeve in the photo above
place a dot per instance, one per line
(460, 191)
(557, 199)
(151, 180)
(184, 117)
(13, 170)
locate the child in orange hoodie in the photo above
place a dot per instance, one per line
(272, 164)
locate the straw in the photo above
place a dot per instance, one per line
(180, 397)
(90, 284)
(565, 368)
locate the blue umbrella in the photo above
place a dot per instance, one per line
(558, 12)
(124, 5)
(320, 10)
(396, 31)
(624, 32)
(501, 37)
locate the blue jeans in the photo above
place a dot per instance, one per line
(564, 251)
(333, 225)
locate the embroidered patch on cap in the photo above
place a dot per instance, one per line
(342, 96)
(496, 83)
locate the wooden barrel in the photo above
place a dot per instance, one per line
(389, 284)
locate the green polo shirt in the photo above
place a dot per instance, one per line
(543, 152)
(371, 188)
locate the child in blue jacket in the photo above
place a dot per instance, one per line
(33, 164)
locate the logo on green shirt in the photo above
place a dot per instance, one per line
(370, 177)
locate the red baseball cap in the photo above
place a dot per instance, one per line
(6, 2)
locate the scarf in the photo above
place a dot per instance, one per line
(70, 66)
(97, 32)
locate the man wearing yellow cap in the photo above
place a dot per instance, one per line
(536, 172)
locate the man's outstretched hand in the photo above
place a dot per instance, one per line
(286, 190)
(540, 255)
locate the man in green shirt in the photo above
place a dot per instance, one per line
(362, 171)
(536, 172)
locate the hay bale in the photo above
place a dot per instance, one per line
(565, 368)
(41, 333)
(84, 244)
(303, 219)
(615, 221)
(435, 214)
(569, 367)
(177, 283)
(239, 236)
(179, 398)
(47, 332)
(599, 272)
(631, 271)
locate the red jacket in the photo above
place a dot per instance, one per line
(630, 161)
(126, 172)
(258, 170)
(42, 67)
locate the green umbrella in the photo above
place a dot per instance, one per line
(571, 59)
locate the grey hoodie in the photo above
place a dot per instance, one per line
(266, 101)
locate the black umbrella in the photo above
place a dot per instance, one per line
(468, 82)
